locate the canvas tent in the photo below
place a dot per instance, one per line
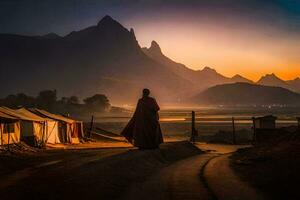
(78, 128)
(9, 129)
(31, 127)
(66, 126)
(50, 132)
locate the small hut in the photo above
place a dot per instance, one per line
(265, 122)
(264, 129)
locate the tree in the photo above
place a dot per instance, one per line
(10, 101)
(22, 100)
(47, 99)
(73, 100)
(98, 102)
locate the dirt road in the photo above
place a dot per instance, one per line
(195, 178)
(182, 180)
(225, 184)
(176, 171)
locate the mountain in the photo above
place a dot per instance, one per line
(247, 94)
(155, 53)
(210, 77)
(272, 80)
(105, 58)
(239, 79)
(51, 36)
(295, 84)
(203, 79)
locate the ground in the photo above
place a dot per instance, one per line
(78, 173)
(116, 170)
(273, 168)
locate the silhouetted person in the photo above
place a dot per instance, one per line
(143, 130)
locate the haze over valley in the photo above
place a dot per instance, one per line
(107, 58)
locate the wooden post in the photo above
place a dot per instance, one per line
(193, 127)
(8, 132)
(298, 118)
(91, 126)
(254, 131)
(1, 134)
(233, 132)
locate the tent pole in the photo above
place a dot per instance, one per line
(193, 134)
(1, 135)
(254, 131)
(91, 126)
(44, 130)
(233, 132)
(8, 132)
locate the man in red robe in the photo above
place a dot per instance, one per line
(143, 130)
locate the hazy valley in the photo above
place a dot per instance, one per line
(107, 59)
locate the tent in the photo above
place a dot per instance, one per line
(50, 132)
(31, 128)
(78, 130)
(79, 125)
(66, 126)
(9, 129)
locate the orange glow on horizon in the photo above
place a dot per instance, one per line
(246, 49)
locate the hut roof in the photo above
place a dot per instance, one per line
(270, 117)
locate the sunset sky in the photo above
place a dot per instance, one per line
(248, 37)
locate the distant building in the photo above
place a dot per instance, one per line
(264, 129)
(266, 122)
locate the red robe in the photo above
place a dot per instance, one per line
(143, 130)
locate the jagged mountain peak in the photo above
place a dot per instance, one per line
(239, 78)
(297, 79)
(155, 45)
(155, 48)
(270, 77)
(108, 23)
(208, 69)
(132, 31)
(106, 20)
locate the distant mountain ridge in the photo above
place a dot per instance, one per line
(105, 58)
(239, 78)
(208, 77)
(245, 94)
(203, 79)
(273, 80)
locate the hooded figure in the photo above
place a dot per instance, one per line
(143, 130)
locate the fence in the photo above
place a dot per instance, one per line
(230, 129)
(196, 127)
